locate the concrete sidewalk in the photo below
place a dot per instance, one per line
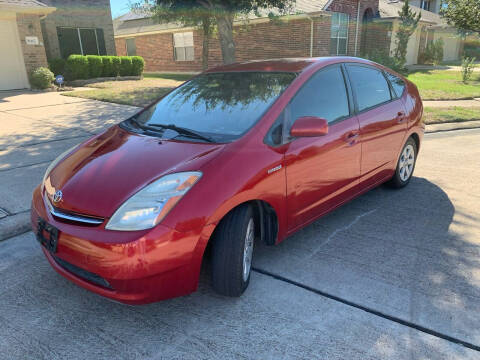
(34, 129)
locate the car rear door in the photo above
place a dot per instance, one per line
(382, 119)
(323, 171)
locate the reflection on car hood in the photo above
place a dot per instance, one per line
(100, 175)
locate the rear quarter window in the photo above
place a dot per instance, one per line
(398, 84)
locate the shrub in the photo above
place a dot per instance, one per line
(471, 48)
(125, 65)
(95, 66)
(468, 64)
(76, 67)
(41, 78)
(137, 65)
(433, 53)
(116, 65)
(107, 69)
(383, 57)
(57, 66)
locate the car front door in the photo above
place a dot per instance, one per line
(321, 171)
(382, 119)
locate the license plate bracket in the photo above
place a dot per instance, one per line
(47, 235)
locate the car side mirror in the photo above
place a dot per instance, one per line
(309, 126)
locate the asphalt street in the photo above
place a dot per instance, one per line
(394, 274)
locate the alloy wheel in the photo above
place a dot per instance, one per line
(407, 161)
(248, 249)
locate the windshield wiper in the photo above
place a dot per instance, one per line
(181, 131)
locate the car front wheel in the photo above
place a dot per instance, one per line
(405, 165)
(232, 252)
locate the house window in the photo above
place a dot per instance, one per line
(339, 34)
(131, 47)
(425, 5)
(183, 46)
(81, 41)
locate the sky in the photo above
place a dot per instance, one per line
(120, 7)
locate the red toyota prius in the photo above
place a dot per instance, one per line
(239, 154)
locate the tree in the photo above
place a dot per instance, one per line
(464, 14)
(172, 11)
(408, 24)
(219, 12)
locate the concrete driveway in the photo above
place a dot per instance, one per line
(391, 275)
(34, 129)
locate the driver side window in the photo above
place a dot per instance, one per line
(324, 96)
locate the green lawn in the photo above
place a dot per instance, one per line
(131, 92)
(445, 85)
(451, 114)
(176, 77)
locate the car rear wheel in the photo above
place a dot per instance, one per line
(232, 252)
(405, 165)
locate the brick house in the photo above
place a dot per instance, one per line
(78, 27)
(33, 31)
(313, 28)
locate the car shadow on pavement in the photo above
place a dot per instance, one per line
(404, 258)
(406, 253)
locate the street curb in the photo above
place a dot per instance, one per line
(14, 225)
(466, 125)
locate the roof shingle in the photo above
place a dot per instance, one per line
(390, 9)
(23, 3)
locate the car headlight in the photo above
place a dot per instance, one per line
(150, 205)
(55, 163)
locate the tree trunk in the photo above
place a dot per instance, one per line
(207, 29)
(225, 31)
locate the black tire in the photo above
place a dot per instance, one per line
(228, 252)
(397, 181)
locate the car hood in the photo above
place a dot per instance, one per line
(104, 172)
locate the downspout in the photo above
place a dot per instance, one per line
(356, 30)
(311, 35)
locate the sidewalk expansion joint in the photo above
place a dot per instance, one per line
(370, 310)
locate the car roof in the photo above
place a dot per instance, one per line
(296, 65)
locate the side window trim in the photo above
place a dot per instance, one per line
(357, 111)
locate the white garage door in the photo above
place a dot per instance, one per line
(12, 68)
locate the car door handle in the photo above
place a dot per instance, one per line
(400, 117)
(351, 137)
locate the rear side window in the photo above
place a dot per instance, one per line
(324, 95)
(397, 84)
(370, 86)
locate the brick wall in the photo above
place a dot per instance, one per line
(253, 41)
(350, 7)
(77, 13)
(33, 55)
(376, 36)
(264, 40)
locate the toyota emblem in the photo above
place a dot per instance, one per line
(57, 196)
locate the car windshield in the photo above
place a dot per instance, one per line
(216, 107)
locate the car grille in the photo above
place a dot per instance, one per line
(73, 218)
(83, 274)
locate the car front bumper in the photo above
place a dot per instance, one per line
(135, 267)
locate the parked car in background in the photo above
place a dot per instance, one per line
(241, 153)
